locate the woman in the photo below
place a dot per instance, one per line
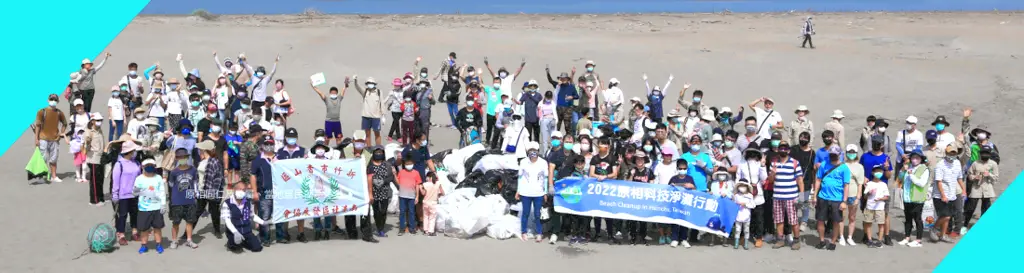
(93, 147)
(394, 103)
(652, 149)
(282, 102)
(124, 172)
(533, 174)
(382, 174)
(152, 140)
(222, 92)
(212, 183)
(675, 127)
(80, 119)
(176, 99)
(548, 119)
(914, 181)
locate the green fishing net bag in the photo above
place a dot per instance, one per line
(101, 238)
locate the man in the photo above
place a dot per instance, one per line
(494, 99)
(424, 99)
(836, 126)
(373, 107)
(750, 135)
(661, 135)
(878, 158)
(134, 83)
(700, 163)
(261, 178)
(907, 141)
(804, 154)
(203, 126)
(357, 151)
(800, 125)
(332, 121)
(948, 177)
(86, 82)
(866, 132)
(768, 120)
(788, 185)
(945, 137)
(590, 75)
(605, 166)
(49, 125)
(821, 157)
(448, 66)
(530, 99)
(730, 157)
(506, 78)
(260, 82)
(831, 183)
(557, 158)
(420, 155)
(566, 96)
(469, 119)
(291, 150)
(807, 31)
(698, 96)
(726, 119)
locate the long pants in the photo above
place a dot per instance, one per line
(95, 178)
(118, 128)
(265, 211)
(555, 221)
(531, 206)
(407, 214)
(87, 96)
(213, 207)
(757, 217)
(127, 209)
(971, 205)
(547, 126)
(429, 216)
(408, 131)
(679, 233)
(534, 129)
(453, 110)
(613, 226)
(424, 122)
(396, 121)
(768, 218)
(323, 223)
(565, 120)
(637, 229)
(579, 225)
(380, 213)
(958, 214)
(912, 211)
(807, 40)
(492, 141)
(350, 227)
(741, 228)
(249, 241)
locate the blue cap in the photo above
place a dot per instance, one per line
(525, 84)
(931, 134)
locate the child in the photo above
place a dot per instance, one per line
(745, 199)
(116, 112)
(578, 224)
(431, 191)
(409, 110)
(721, 187)
(182, 181)
(277, 130)
(238, 215)
(75, 145)
(149, 188)
(874, 211)
(680, 233)
(234, 141)
(408, 181)
(642, 174)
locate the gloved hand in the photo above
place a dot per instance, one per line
(163, 210)
(237, 237)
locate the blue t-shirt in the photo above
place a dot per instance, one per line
(565, 91)
(655, 101)
(822, 156)
(183, 186)
(700, 177)
(870, 160)
(833, 183)
(264, 176)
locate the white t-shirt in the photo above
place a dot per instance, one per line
(945, 139)
(222, 94)
(116, 109)
(767, 120)
(155, 110)
(174, 100)
(278, 137)
(914, 140)
(133, 84)
(876, 190)
(280, 97)
(506, 84)
(664, 173)
(133, 127)
(613, 96)
(533, 177)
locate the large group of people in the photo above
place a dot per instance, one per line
(182, 149)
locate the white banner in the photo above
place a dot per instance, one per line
(311, 188)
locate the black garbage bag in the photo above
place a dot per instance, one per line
(473, 159)
(492, 182)
(473, 180)
(510, 185)
(438, 157)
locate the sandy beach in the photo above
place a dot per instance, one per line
(886, 64)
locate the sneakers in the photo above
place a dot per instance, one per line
(191, 244)
(850, 242)
(821, 245)
(522, 237)
(685, 244)
(159, 249)
(663, 240)
(946, 239)
(674, 244)
(301, 238)
(831, 247)
(915, 244)
(758, 243)
(887, 240)
(803, 227)
(56, 179)
(904, 242)
(174, 245)
(963, 231)
(779, 244)
(842, 241)
(553, 239)
(540, 238)
(795, 246)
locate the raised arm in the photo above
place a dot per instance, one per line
(220, 66)
(520, 70)
(273, 69)
(100, 65)
(647, 84)
(148, 70)
(668, 82)
(317, 90)
(554, 84)
(488, 66)
(181, 66)
(355, 79)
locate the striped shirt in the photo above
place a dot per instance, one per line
(947, 175)
(786, 173)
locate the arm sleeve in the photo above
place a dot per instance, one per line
(225, 214)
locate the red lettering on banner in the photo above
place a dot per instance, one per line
(337, 170)
(316, 211)
(336, 209)
(351, 174)
(344, 208)
(287, 213)
(298, 172)
(305, 212)
(285, 177)
(310, 168)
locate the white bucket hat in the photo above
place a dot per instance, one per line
(838, 114)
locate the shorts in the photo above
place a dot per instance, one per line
(333, 129)
(49, 150)
(234, 164)
(189, 213)
(150, 220)
(874, 216)
(828, 210)
(371, 124)
(785, 208)
(942, 209)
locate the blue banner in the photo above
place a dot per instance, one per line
(645, 202)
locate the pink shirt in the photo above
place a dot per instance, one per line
(407, 182)
(431, 192)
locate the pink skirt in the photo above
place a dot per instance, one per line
(79, 159)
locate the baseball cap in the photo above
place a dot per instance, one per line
(291, 132)
(319, 133)
(556, 134)
(931, 134)
(267, 140)
(359, 135)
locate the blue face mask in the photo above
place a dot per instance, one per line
(695, 147)
(173, 86)
(292, 141)
(186, 131)
(556, 143)
(259, 74)
(567, 146)
(696, 99)
(590, 69)
(940, 127)
(878, 175)
(149, 169)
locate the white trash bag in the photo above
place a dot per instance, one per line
(503, 227)
(393, 203)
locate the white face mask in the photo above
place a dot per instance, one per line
(98, 123)
(408, 167)
(371, 85)
(742, 190)
(140, 116)
(881, 129)
(239, 194)
(497, 85)
(334, 96)
(982, 136)
(320, 152)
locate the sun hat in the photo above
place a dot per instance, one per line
(206, 145)
(532, 145)
(152, 122)
(674, 113)
(128, 146)
(396, 82)
(585, 132)
(716, 137)
(802, 108)
(556, 134)
(96, 116)
(86, 61)
(838, 114)
(142, 109)
(708, 116)
(912, 120)
(614, 81)
(590, 63)
(148, 161)
(370, 80)
(940, 119)
(950, 150)
(726, 110)
(78, 102)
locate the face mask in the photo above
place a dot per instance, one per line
(268, 148)
(775, 143)
(567, 146)
(232, 132)
(213, 115)
(320, 152)
(186, 131)
(728, 144)
(359, 146)
(371, 85)
(751, 128)
(881, 129)
(696, 100)
(950, 158)
(532, 154)
(590, 69)
(650, 134)
(648, 148)
(982, 136)
(206, 98)
(408, 167)
(585, 148)
(53, 103)
(984, 157)
(423, 85)
(556, 143)
(149, 169)
(716, 144)
(173, 86)
(291, 141)
(471, 73)
(239, 194)
(503, 75)
(681, 172)
(827, 142)
(497, 85)
(742, 190)
(851, 156)
(833, 157)
(693, 114)
(334, 96)
(98, 123)
(115, 94)
(195, 104)
(423, 75)
(804, 142)
(245, 106)
(133, 73)
(124, 88)
(469, 104)
(915, 161)
(940, 127)
(140, 116)
(275, 123)
(378, 157)
(215, 129)
(320, 140)
(423, 143)
(783, 154)
(802, 118)
(259, 74)
(694, 148)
